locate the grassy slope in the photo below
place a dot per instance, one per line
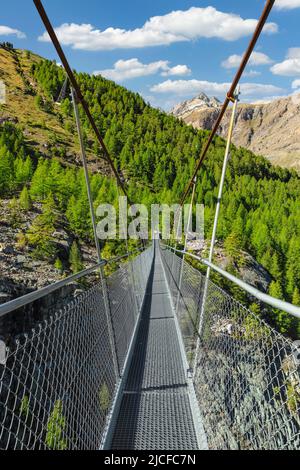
(22, 106)
(38, 126)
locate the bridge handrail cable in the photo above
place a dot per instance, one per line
(267, 299)
(38, 294)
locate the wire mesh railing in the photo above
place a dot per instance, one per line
(58, 380)
(246, 375)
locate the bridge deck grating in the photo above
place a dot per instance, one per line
(155, 410)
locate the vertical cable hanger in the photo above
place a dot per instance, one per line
(189, 225)
(86, 173)
(93, 218)
(217, 213)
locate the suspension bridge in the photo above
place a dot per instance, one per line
(155, 356)
(135, 362)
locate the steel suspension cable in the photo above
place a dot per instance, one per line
(229, 97)
(75, 85)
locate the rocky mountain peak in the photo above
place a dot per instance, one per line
(201, 101)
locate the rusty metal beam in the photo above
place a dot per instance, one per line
(229, 97)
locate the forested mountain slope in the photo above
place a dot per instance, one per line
(156, 153)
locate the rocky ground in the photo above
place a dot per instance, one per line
(244, 405)
(251, 271)
(20, 273)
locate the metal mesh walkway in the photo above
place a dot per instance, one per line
(155, 411)
(58, 381)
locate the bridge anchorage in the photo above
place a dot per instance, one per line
(155, 356)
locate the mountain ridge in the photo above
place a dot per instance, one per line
(270, 129)
(199, 102)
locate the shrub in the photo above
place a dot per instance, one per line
(55, 427)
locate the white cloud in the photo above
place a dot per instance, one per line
(252, 73)
(268, 99)
(173, 27)
(133, 68)
(289, 67)
(177, 70)
(287, 4)
(293, 53)
(296, 84)
(257, 58)
(7, 31)
(160, 101)
(295, 96)
(192, 87)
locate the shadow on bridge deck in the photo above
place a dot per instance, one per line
(155, 412)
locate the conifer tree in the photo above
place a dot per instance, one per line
(75, 258)
(22, 170)
(6, 170)
(25, 200)
(38, 187)
(293, 265)
(14, 209)
(233, 245)
(296, 297)
(58, 265)
(283, 320)
(40, 234)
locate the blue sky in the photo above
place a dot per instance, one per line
(167, 50)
